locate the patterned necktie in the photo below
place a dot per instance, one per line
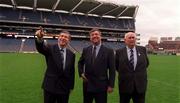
(62, 57)
(94, 54)
(131, 61)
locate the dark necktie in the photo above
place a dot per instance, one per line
(94, 54)
(131, 59)
(62, 57)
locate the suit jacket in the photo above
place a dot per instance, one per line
(56, 79)
(128, 78)
(101, 74)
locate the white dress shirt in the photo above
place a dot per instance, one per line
(134, 53)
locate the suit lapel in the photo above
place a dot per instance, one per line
(126, 58)
(89, 52)
(56, 55)
(67, 58)
(126, 55)
(100, 53)
(138, 56)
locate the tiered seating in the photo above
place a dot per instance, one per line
(99, 22)
(10, 45)
(20, 23)
(49, 17)
(29, 45)
(9, 14)
(68, 19)
(14, 45)
(114, 45)
(85, 21)
(30, 16)
(79, 45)
(51, 41)
(64, 18)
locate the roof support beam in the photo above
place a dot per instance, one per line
(122, 12)
(94, 8)
(76, 6)
(14, 3)
(35, 4)
(134, 16)
(55, 5)
(112, 10)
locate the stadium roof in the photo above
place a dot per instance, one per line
(81, 6)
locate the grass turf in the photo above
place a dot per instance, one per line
(21, 77)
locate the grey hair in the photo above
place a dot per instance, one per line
(128, 33)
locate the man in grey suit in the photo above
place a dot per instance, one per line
(59, 76)
(97, 69)
(131, 65)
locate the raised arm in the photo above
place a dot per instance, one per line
(40, 45)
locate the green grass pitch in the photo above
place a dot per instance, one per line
(21, 77)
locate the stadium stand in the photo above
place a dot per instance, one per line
(10, 45)
(28, 45)
(165, 46)
(19, 20)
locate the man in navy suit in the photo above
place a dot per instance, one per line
(131, 65)
(59, 76)
(97, 69)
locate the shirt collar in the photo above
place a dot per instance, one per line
(60, 48)
(130, 49)
(97, 46)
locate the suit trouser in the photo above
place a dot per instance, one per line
(136, 97)
(99, 97)
(50, 97)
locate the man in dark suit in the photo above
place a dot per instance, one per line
(131, 65)
(97, 69)
(59, 76)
